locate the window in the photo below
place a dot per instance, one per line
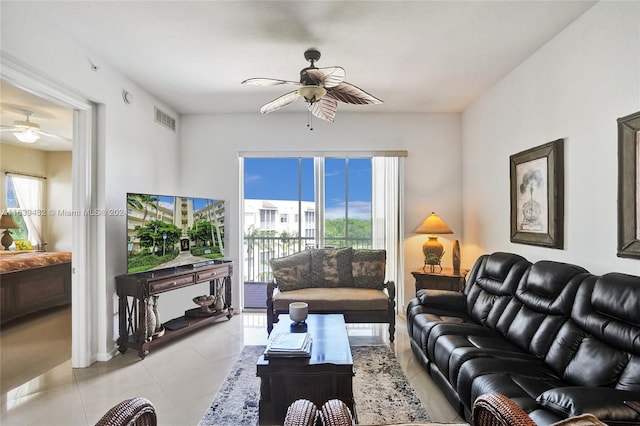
(24, 200)
(284, 218)
(268, 219)
(347, 202)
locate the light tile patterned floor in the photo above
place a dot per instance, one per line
(39, 387)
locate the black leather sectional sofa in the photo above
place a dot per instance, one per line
(556, 339)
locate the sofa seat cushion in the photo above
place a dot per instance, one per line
(333, 300)
(517, 378)
(452, 351)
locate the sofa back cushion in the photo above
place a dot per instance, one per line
(542, 303)
(600, 345)
(331, 267)
(292, 272)
(492, 283)
(369, 268)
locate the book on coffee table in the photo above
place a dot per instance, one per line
(288, 345)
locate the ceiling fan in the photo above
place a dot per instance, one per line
(27, 131)
(321, 89)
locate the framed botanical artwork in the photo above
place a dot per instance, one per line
(537, 195)
(629, 186)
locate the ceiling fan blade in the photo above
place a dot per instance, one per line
(268, 82)
(51, 135)
(328, 77)
(280, 102)
(325, 108)
(350, 94)
(9, 129)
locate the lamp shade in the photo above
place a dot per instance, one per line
(312, 93)
(8, 222)
(433, 225)
(27, 136)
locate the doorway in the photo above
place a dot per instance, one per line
(83, 247)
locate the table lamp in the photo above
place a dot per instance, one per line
(432, 248)
(7, 222)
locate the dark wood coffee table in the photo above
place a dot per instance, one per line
(326, 375)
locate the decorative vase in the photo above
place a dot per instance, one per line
(456, 257)
(218, 305)
(156, 313)
(151, 319)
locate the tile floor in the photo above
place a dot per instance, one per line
(39, 387)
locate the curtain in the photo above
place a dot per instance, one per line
(30, 194)
(387, 202)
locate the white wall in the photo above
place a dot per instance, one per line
(575, 88)
(210, 166)
(133, 153)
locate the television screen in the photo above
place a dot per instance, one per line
(170, 231)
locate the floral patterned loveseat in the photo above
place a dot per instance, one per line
(343, 280)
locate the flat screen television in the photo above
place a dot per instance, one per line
(173, 232)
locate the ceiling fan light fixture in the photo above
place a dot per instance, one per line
(312, 93)
(29, 135)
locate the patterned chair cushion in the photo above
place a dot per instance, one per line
(369, 268)
(331, 267)
(292, 272)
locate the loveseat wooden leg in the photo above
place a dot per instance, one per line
(392, 329)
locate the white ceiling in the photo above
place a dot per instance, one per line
(417, 56)
(50, 117)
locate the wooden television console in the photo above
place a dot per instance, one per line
(135, 290)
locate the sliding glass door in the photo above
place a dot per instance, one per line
(294, 203)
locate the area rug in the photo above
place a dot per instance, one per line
(381, 390)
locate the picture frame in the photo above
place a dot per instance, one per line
(629, 186)
(537, 195)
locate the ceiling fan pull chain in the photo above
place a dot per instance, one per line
(309, 119)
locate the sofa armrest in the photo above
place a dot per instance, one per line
(447, 300)
(606, 404)
(271, 287)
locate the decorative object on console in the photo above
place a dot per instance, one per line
(321, 89)
(456, 256)
(159, 330)
(432, 248)
(151, 319)
(204, 302)
(7, 222)
(537, 195)
(629, 186)
(218, 304)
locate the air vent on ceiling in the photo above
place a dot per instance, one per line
(165, 119)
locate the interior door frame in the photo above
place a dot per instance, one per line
(85, 249)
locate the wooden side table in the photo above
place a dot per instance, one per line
(446, 279)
